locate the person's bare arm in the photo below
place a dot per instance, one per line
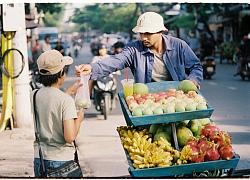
(72, 126)
(72, 89)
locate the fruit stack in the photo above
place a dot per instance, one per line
(149, 140)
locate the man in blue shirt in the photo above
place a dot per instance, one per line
(156, 57)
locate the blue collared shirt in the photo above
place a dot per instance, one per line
(178, 57)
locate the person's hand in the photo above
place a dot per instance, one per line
(80, 114)
(195, 83)
(72, 89)
(86, 69)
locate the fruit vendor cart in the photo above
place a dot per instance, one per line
(172, 118)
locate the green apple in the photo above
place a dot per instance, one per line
(158, 111)
(137, 112)
(188, 100)
(169, 109)
(201, 106)
(147, 111)
(179, 108)
(199, 98)
(132, 106)
(191, 106)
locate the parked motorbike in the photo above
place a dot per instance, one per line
(245, 70)
(208, 65)
(104, 91)
(33, 79)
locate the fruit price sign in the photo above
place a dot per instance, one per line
(164, 102)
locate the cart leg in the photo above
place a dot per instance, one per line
(174, 136)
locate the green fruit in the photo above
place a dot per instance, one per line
(179, 108)
(201, 106)
(163, 127)
(191, 106)
(204, 121)
(140, 88)
(197, 133)
(194, 125)
(161, 134)
(137, 111)
(154, 127)
(187, 85)
(147, 111)
(169, 109)
(166, 128)
(183, 134)
(158, 111)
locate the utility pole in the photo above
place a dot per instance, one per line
(22, 105)
(19, 58)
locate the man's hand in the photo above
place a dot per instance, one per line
(86, 69)
(72, 89)
(195, 83)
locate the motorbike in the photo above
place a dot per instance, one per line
(208, 65)
(245, 69)
(104, 91)
(33, 79)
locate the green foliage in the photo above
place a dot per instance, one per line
(53, 13)
(227, 49)
(107, 18)
(185, 22)
(49, 7)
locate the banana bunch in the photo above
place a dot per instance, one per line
(185, 154)
(143, 152)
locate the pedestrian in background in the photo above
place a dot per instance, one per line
(58, 121)
(117, 47)
(46, 45)
(155, 57)
(243, 53)
(36, 52)
(59, 48)
(30, 56)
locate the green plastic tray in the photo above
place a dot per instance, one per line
(162, 118)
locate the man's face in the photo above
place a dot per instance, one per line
(150, 39)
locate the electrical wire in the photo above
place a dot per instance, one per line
(3, 68)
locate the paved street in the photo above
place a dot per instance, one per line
(101, 153)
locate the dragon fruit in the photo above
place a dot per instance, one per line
(215, 136)
(212, 154)
(192, 141)
(203, 144)
(226, 139)
(226, 152)
(197, 156)
(206, 131)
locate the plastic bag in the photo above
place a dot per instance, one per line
(82, 98)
